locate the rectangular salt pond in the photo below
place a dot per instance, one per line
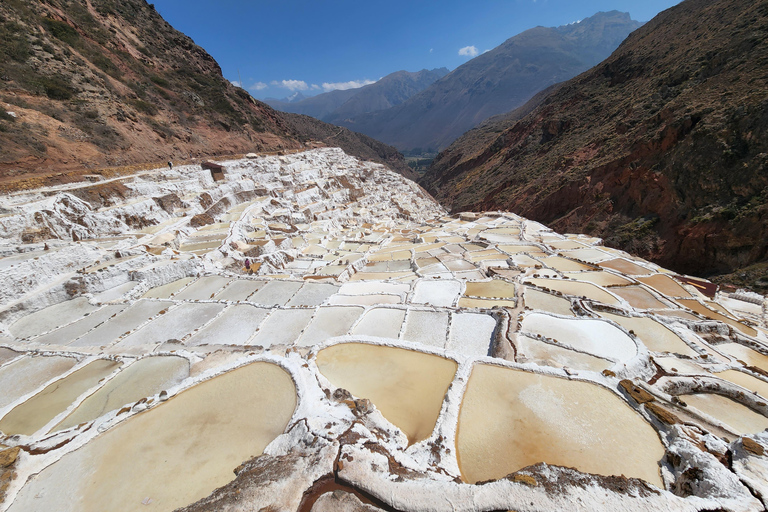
(29, 373)
(282, 327)
(578, 289)
(276, 293)
(329, 322)
(126, 321)
(116, 292)
(655, 336)
(739, 418)
(666, 285)
(701, 309)
(496, 288)
(427, 327)
(437, 293)
(51, 317)
(564, 264)
(239, 289)
(177, 323)
(235, 326)
(167, 290)
(471, 334)
(202, 289)
(548, 354)
(364, 300)
(74, 330)
(312, 294)
(627, 267)
(600, 278)
(382, 322)
(746, 354)
(639, 298)
(373, 287)
(538, 300)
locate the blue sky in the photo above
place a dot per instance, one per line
(280, 47)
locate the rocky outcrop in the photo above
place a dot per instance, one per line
(661, 149)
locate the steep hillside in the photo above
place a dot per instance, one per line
(387, 92)
(496, 82)
(661, 149)
(93, 83)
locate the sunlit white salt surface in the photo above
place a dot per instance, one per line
(364, 300)
(7, 354)
(51, 317)
(329, 322)
(510, 419)
(600, 278)
(576, 288)
(239, 289)
(276, 293)
(746, 381)
(406, 386)
(312, 294)
(129, 319)
(177, 323)
(437, 293)
(74, 330)
(235, 326)
(471, 334)
(381, 322)
(203, 288)
(535, 299)
(741, 419)
(749, 356)
(29, 373)
(282, 327)
(173, 454)
(33, 414)
(145, 377)
(115, 292)
(680, 366)
(165, 291)
(665, 285)
(549, 354)
(638, 297)
(564, 264)
(593, 336)
(701, 309)
(654, 335)
(373, 287)
(427, 327)
(740, 306)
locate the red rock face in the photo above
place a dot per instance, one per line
(661, 149)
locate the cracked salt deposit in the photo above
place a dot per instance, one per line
(313, 322)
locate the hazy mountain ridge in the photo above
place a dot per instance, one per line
(660, 149)
(496, 82)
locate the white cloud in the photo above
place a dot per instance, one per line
(291, 85)
(468, 51)
(315, 87)
(431, 50)
(343, 86)
(258, 86)
(235, 83)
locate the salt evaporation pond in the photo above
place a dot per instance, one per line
(493, 289)
(739, 418)
(66, 334)
(654, 335)
(32, 415)
(329, 322)
(175, 324)
(746, 354)
(535, 299)
(382, 322)
(576, 288)
(600, 278)
(51, 317)
(28, 373)
(145, 377)
(427, 327)
(665, 285)
(127, 320)
(746, 381)
(167, 290)
(407, 387)
(510, 419)
(173, 454)
(531, 350)
(235, 326)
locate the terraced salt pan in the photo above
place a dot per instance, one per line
(739, 418)
(33, 414)
(427, 327)
(51, 317)
(655, 336)
(115, 293)
(468, 302)
(592, 336)
(312, 294)
(276, 293)
(173, 454)
(177, 323)
(535, 299)
(510, 419)
(144, 378)
(373, 287)
(680, 366)
(364, 300)
(701, 309)
(471, 334)
(282, 327)
(235, 326)
(25, 375)
(437, 293)
(599, 278)
(746, 381)
(638, 297)
(382, 322)
(496, 288)
(239, 289)
(576, 288)
(749, 356)
(66, 334)
(564, 264)
(126, 321)
(167, 290)
(329, 322)
(665, 284)
(7, 354)
(407, 387)
(548, 354)
(625, 266)
(202, 289)
(590, 255)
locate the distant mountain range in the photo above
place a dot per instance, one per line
(338, 105)
(660, 149)
(495, 82)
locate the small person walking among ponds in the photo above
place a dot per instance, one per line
(170, 164)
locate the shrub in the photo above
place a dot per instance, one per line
(61, 31)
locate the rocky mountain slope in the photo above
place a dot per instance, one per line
(661, 149)
(91, 83)
(387, 92)
(496, 82)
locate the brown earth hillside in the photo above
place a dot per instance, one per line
(661, 149)
(93, 83)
